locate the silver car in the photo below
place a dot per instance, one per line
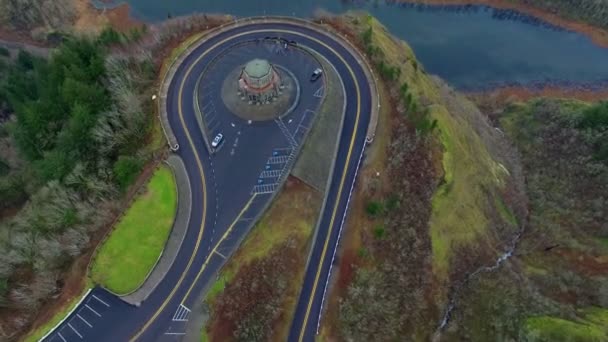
(217, 140)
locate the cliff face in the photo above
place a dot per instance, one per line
(451, 202)
(504, 227)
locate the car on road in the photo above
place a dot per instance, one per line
(217, 140)
(316, 74)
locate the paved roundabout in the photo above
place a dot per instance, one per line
(231, 186)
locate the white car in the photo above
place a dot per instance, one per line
(217, 140)
(316, 74)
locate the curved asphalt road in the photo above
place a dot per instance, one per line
(197, 262)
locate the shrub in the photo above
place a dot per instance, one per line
(109, 36)
(126, 170)
(379, 232)
(374, 208)
(392, 202)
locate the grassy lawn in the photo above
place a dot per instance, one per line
(131, 251)
(36, 334)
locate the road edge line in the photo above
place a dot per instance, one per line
(66, 316)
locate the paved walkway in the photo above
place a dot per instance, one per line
(180, 225)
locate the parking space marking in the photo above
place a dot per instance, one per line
(62, 338)
(270, 174)
(286, 133)
(181, 314)
(277, 160)
(104, 303)
(319, 92)
(172, 333)
(220, 254)
(264, 188)
(90, 308)
(76, 331)
(84, 320)
(207, 105)
(214, 127)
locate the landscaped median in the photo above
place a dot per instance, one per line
(134, 246)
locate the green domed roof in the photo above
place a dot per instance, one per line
(257, 68)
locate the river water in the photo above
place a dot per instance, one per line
(471, 47)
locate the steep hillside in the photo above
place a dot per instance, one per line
(555, 288)
(449, 201)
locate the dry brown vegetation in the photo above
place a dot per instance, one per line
(395, 270)
(255, 296)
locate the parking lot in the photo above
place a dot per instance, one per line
(81, 323)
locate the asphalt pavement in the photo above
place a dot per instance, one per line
(227, 193)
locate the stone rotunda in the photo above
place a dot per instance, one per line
(259, 82)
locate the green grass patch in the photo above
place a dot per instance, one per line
(128, 255)
(603, 242)
(545, 328)
(459, 205)
(204, 335)
(504, 211)
(218, 286)
(36, 334)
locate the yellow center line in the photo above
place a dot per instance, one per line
(340, 188)
(201, 173)
(217, 245)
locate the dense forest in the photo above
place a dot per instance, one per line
(73, 134)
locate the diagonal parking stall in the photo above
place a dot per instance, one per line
(92, 313)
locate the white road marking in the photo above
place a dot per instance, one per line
(220, 254)
(76, 331)
(277, 160)
(264, 188)
(63, 338)
(84, 320)
(169, 333)
(270, 174)
(104, 303)
(181, 314)
(90, 308)
(319, 92)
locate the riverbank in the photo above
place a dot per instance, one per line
(88, 19)
(495, 99)
(92, 19)
(598, 35)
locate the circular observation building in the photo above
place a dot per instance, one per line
(259, 82)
